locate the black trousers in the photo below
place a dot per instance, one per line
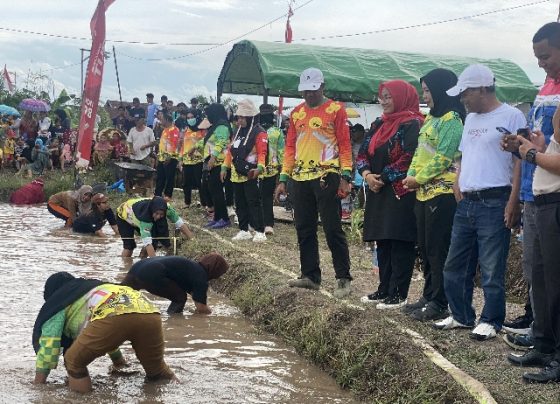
(228, 187)
(248, 205)
(311, 198)
(434, 220)
(160, 234)
(546, 280)
(267, 186)
(204, 191)
(165, 180)
(192, 178)
(396, 262)
(216, 188)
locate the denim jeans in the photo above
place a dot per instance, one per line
(478, 225)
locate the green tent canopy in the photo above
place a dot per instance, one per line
(351, 75)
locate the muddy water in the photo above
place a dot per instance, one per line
(218, 358)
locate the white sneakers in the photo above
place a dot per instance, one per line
(242, 235)
(449, 323)
(268, 230)
(483, 331)
(247, 235)
(259, 237)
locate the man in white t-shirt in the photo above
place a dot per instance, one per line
(141, 139)
(488, 180)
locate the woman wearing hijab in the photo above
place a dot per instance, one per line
(173, 277)
(149, 218)
(88, 318)
(383, 162)
(192, 158)
(40, 157)
(432, 174)
(246, 158)
(214, 145)
(67, 205)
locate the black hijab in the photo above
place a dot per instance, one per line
(439, 81)
(61, 290)
(217, 116)
(144, 209)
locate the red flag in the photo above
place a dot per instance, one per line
(288, 33)
(8, 84)
(92, 86)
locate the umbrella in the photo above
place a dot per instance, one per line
(33, 105)
(7, 110)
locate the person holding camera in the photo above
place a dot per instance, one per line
(246, 158)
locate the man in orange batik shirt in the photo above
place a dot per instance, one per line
(318, 158)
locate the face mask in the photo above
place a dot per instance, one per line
(191, 121)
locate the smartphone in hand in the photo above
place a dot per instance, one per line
(503, 130)
(525, 132)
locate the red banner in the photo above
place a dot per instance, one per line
(92, 86)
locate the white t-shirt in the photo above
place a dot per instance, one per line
(484, 164)
(139, 139)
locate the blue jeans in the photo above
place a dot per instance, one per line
(478, 226)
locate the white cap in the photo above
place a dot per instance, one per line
(246, 108)
(310, 79)
(473, 76)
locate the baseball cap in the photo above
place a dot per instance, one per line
(473, 76)
(310, 79)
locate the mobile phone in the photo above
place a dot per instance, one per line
(525, 132)
(503, 130)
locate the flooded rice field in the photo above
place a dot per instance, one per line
(219, 358)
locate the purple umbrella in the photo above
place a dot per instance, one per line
(33, 105)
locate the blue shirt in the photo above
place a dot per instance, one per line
(540, 117)
(152, 111)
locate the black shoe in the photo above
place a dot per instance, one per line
(519, 342)
(550, 373)
(374, 297)
(531, 358)
(420, 304)
(429, 312)
(519, 325)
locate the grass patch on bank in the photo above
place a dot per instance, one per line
(364, 353)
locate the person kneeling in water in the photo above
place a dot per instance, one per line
(174, 277)
(88, 319)
(93, 222)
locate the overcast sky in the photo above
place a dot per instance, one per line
(504, 35)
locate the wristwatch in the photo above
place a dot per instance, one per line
(531, 156)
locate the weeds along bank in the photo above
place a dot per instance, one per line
(362, 352)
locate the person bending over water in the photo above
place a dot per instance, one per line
(149, 218)
(93, 222)
(174, 277)
(67, 205)
(88, 318)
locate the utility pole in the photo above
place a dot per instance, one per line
(82, 60)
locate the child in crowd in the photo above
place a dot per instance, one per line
(19, 153)
(9, 151)
(66, 157)
(120, 150)
(54, 149)
(102, 150)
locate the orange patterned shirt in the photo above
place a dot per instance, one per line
(318, 142)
